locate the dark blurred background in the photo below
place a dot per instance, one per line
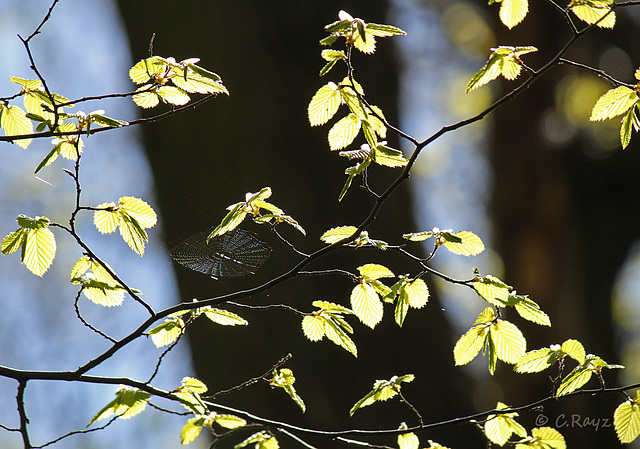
(552, 195)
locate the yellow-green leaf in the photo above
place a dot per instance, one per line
(285, 379)
(574, 380)
(469, 244)
(613, 103)
(492, 289)
(512, 12)
(191, 429)
(128, 402)
(408, 441)
(193, 384)
(499, 427)
(14, 121)
(529, 310)
(367, 45)
(229, 421)
(146, 98)
(509, 342)
(260, 440)
(382, 391)
(139, 210)
(14, 240)
(417, 293)
(490, 71)
(575, 350)
(629, 122)
(592, 11)
(133, 234)
(167, 332)
(147, 69)
(336, 234)
(626, 420)
(543, 437)
(107, 218)
(366, 304)
(173, 95)
(344, 131)
(372, 271)
(39, 250)
(324, 104)
(313, 327)
(224, 317)
(469, 345)
(537, 360)
(389, 157)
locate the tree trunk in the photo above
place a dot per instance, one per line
(267, 54)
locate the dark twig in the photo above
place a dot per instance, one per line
(253, 380)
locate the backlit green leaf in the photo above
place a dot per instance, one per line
(194, 385)
(146, 98)
(14, 121)
(39, 250)
(492, 289)
(408, 441)
(313, 327)
(324, 104)
(389, 157)
(224, 317)
(574, 380)
(260, 440)
(148, 69)
(499, 427)
(543, 437)
(417, 293)
(469, 345)
(382, 391)
(575, 350)
(343, 132)
(285, 379)
(626, 420)
(108, 218)
(613, 103)
(191, 429)
(381, 30)
(490, 71)
(14, 240)
(229, 421)
(139, 210)
(173, 95)
(529, 310)
(334, 235)
(366, 304)
(512, 12)
(372, 271)
(133, 234)
(592, 11)
(331, 307)
(537, 360)
(469, 244)
(167, 332)
(509, 342)
(629, 122)
(98, 285)
(128, 402)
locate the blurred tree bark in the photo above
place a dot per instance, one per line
(203, 160)
(564, 220)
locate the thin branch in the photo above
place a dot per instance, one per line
(253, 380)
(77, 432)
(24, 420)
(45, 20)
(85, 322)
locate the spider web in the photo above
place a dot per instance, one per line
(232, 254)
